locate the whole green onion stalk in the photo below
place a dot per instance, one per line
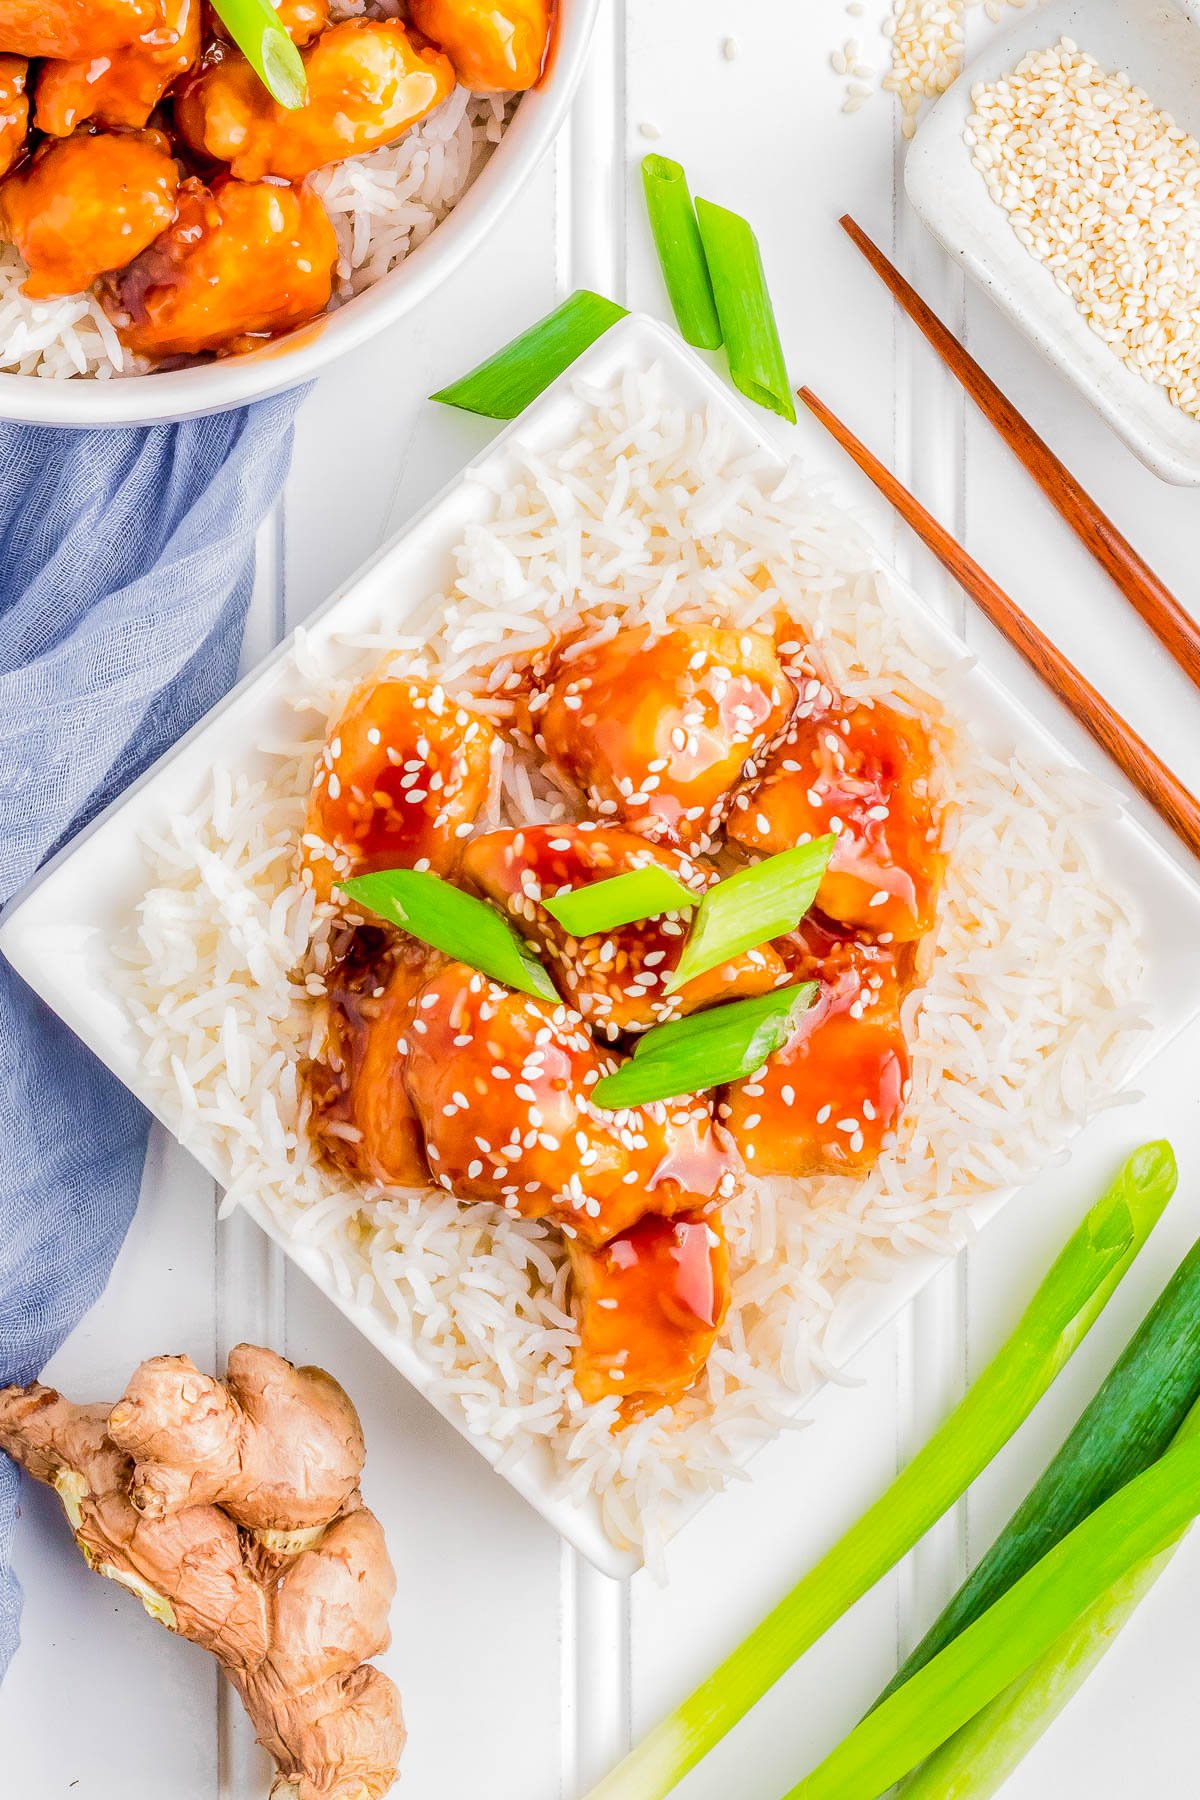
(1128, 1424)
(1057, 1319)
(978, 1759)
(1136, 1525)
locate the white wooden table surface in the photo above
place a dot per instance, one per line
(524, 1673)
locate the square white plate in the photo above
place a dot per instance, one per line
(59, 932)
(1158, 43)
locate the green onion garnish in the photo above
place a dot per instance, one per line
(621, 900)
(975, 1763)
(1136, 1524)
(680, 251)
(504, 385)
(1057, 1319)
(441, 915)
(1128, 1423)
(757, 904)
(744, 307)
(255, 28)
(706, 1050)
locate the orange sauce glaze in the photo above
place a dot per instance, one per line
(649, 1306)
(404, 772)
(657, 733)
(864, 772)
(501, 1081)
(830, 1100)
(123, 87)
(614, 979)
(85, 204)
(496, 46)
(240, 257)
(369, 80)
(14, 110)
(362, 1116)
(72, 28)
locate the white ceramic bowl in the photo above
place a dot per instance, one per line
(290, 360)
(1158, 43)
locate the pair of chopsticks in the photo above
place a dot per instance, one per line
(1141, 586)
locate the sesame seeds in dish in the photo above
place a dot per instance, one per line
(1102, 187)
(1016, 1007)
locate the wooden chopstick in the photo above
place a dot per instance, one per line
(1148, 773)
(1173, 626)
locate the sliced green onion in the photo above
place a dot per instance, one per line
(1137, 1523)
(752, 907)
(621, 900)
(1126, 1426)
(504, 385)
(439, 914)
(744, 308)
(705, 1051)
(975, 1763)
(663, 1040)
(680, 251)
(255, 28)
(1057, 1319)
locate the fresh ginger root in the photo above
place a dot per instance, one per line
(232, 1510)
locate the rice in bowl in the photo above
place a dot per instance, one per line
(1025, 1026)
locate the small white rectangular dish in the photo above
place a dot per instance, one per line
(60, 934)
(1157, 42)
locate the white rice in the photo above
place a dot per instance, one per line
(382, 206)
(1026, 1025)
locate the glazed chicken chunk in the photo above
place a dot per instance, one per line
(363, 1118)
(241, 259)
(124, 87)
(496, 46)
(657, 732)
(14, 110)
(85, 204)
(614, 979)
(832, 1097)
(404, 772)
(368, 82)
(72, 28)
(501, 1083)
(863, 771)
(649, 1306)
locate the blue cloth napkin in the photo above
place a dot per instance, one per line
(126, 564)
